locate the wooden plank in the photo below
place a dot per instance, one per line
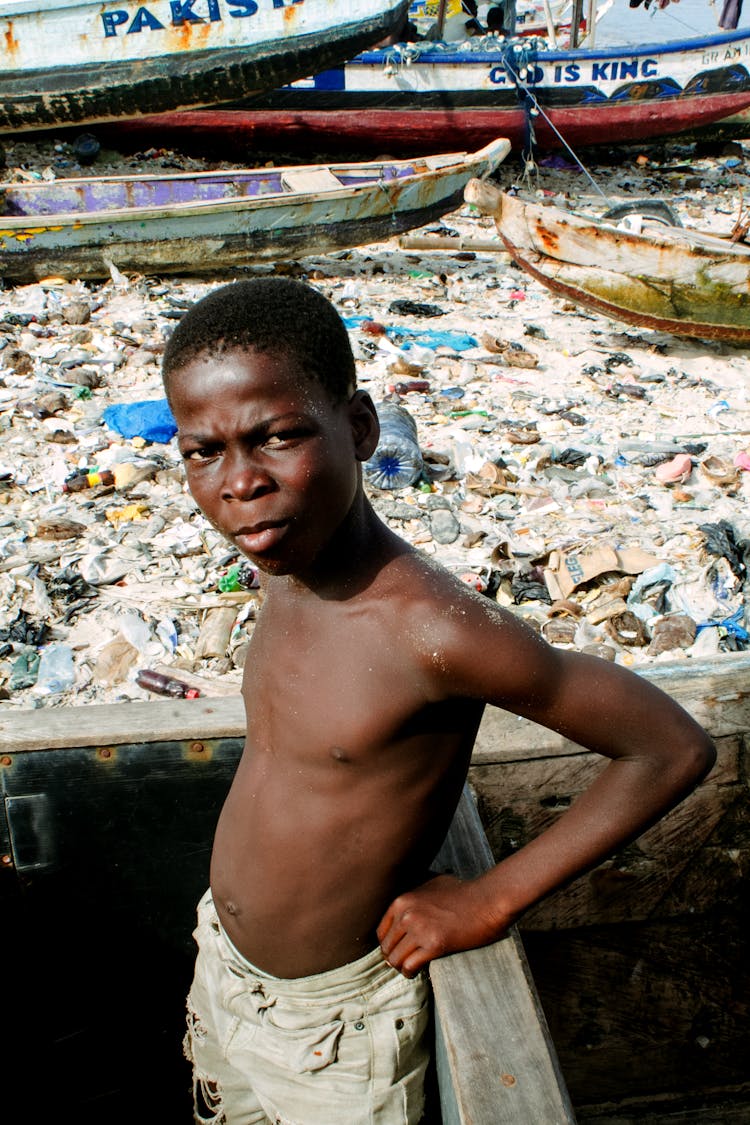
(520, 800)
(731, 1108)
(496, 1062)
(646, 1008)
(716, 692)
(310, 180)
(115, 724)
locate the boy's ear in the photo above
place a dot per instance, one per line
(363, 418)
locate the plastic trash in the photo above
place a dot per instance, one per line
(24, 670)
(165, 685)
(240, 576)
(56, 670)
(84, 478)
(151, 420)
(397, 461)
(420, 385)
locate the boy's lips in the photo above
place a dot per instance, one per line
(262, 537)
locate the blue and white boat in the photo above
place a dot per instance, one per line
(84, 61)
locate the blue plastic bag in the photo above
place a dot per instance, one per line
(151, 420)
(428, 337)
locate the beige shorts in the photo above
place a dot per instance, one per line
(347, 1046)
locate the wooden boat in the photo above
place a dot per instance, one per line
(423, 96)
(640, 970)
(669, 278)
(82, 61)
(209, 221)
(736, 127)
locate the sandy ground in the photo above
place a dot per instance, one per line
(546, 445)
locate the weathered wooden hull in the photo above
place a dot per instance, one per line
(667, 278)
(188, 224)
(445, 97)
(736, 127)
(643, 966)
(79, 61)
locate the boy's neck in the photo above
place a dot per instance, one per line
(362, 545)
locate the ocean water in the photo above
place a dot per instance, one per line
(684, 20)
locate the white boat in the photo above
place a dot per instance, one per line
(83, 61)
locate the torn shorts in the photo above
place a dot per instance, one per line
(346, 1046)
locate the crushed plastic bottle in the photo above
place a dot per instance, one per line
(56, 670)
(240, 576)
(397, 461)
(86, 478)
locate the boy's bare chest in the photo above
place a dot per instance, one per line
(333, 683)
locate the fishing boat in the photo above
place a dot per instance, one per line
(621, 998)
(736, 127)
(82, 61)
(197, 223)
(425, 96)
(659, 276)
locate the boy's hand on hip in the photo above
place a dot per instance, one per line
(441, 916)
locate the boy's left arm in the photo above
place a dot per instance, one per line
(657, 753)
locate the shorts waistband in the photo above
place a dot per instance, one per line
(365, 973)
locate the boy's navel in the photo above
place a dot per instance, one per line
(339, 755)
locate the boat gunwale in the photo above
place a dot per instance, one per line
(541, 54)
(660, 236)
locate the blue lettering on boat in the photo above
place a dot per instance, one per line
(249, 8)
(182, 12)
(569, 73)
(144, 18)
(112, 21)
(532, 77)
(619, 68)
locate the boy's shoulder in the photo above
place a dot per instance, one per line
(428, 600)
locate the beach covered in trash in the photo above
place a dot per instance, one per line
(590, 476)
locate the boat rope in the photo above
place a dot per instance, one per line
(518, 60)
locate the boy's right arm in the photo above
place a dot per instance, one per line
(657, 753)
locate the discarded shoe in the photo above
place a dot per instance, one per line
(719, 471)
(675, 471)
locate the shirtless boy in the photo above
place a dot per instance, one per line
(365, 682)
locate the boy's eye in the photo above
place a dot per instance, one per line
(283, 439)
(201, 454)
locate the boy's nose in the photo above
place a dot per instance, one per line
(244, 479)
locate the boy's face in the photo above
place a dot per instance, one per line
(271, 460)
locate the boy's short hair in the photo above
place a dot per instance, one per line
(272, 314)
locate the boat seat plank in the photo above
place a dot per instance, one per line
(310, 180)
(495, 1059)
